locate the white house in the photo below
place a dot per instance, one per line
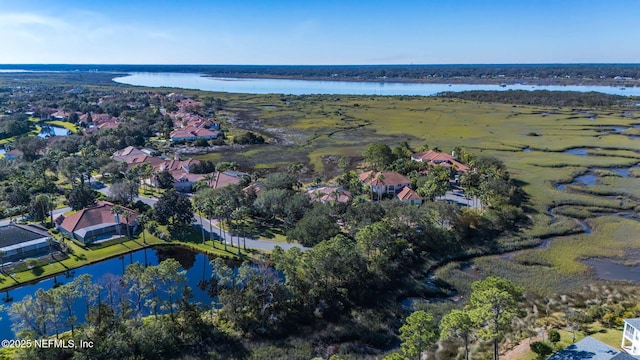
(631, 336)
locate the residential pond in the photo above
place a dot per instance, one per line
(49, 131)
(197, 265)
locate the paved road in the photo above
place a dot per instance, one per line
(251, 243)
(458, 197)
(56, 212)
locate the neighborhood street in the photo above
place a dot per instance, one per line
(251, 243)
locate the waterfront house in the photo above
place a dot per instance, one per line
(97, 222)
(631, 336)
(432, 157)
(384, 183)
(18, 242)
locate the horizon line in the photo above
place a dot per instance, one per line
(327, 65)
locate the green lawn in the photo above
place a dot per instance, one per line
(83, 255)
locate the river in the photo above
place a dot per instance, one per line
(196, 264)
(307, 87)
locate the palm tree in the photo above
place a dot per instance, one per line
(126, 213)
(142, 220)
(199, 203)
(209, 179)
(50, 242)
(336, 194)
(117, 211)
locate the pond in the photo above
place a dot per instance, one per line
(49, 131)
(196, 264)
(586, 179)
(307, 87)
(577, 151)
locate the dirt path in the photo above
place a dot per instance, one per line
(520, 350)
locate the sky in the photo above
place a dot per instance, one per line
(327, 32)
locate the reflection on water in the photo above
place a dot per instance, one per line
(306, 87)
(609, 269)
(48, 131)
(197, 266)
(587, 179)
(577, 151)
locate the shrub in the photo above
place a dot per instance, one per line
(542, 349)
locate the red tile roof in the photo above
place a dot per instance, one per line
(383, 178)
(100, 213)
(326, 194)
(407, 194)
(221, 180)
(439, 158)
(129, 150)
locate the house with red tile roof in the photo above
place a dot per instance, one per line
(13, 154)
(59, 115)
(128, 151)
(97, 222)
(409, 196)
(328, 194)
(184, 182)
(191, 133)
(385, 182)
(439, 158)
(186, 103)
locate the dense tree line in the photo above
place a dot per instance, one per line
(114, 312)
(542, 97)
(368, 72)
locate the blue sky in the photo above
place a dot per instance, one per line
(319, 32)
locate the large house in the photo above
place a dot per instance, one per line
(591, 349)
(439, 158)
(191, 133)
(385, 182)
(215, 180)
(329, 194)
(631, 336)
(97, 222)
(18, 242)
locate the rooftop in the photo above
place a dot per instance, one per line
(633, 322)
(383, 178)
(590, 349)
(16, 234)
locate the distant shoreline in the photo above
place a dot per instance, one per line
(617, 75)
(456, 80)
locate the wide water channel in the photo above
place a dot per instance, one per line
(196, 264)
(307, 87)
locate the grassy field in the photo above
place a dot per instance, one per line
(535, 142)
(610, 337)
